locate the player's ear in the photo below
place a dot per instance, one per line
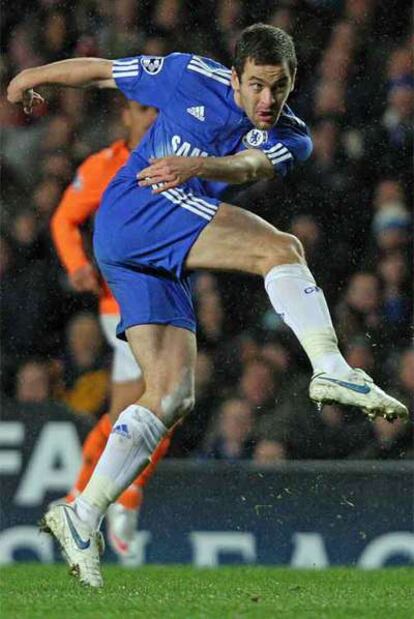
(235, 82)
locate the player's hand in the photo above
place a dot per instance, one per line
(31, 99)
(85, 279)
(17, 92)
(168, 172)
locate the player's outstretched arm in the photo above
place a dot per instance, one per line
(77, 72)
(248, 166)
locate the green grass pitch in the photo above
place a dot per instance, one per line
(31, 591)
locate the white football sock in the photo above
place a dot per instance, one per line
(128, 451)
(301, 303)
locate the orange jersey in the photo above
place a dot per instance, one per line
(79, 202)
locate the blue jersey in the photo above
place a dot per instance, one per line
(199, 117)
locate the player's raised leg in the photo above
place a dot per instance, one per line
(168, 396)
(241, 241)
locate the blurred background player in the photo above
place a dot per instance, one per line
(78, 204)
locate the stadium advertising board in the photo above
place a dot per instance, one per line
(300, 514)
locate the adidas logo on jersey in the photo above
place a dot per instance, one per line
(197, 112)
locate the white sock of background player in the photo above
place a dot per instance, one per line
(301, 303)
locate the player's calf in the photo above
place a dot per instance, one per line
(173, 402)
(179, 402)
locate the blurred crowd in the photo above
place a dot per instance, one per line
(350, 205)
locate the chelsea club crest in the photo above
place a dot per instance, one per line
(152, 64)
(255, 138)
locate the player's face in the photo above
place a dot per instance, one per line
(138, 119)
(141, 114)
(262, 91)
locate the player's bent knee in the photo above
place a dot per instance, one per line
(286, 249)
(299, 245)
(289, 248)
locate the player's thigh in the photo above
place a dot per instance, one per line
(238, 240)
(166, 355)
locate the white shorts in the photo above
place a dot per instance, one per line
(124, 366)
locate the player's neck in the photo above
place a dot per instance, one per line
(131, 143)
(134, 139)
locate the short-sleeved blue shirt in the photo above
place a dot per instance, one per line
(199, 117)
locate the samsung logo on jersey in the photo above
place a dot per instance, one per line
(185, 149)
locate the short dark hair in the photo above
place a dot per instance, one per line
(265, 45)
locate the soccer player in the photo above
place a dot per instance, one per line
(162, 217)
(79, 203)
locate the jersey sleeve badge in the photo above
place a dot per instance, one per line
(152, 64)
